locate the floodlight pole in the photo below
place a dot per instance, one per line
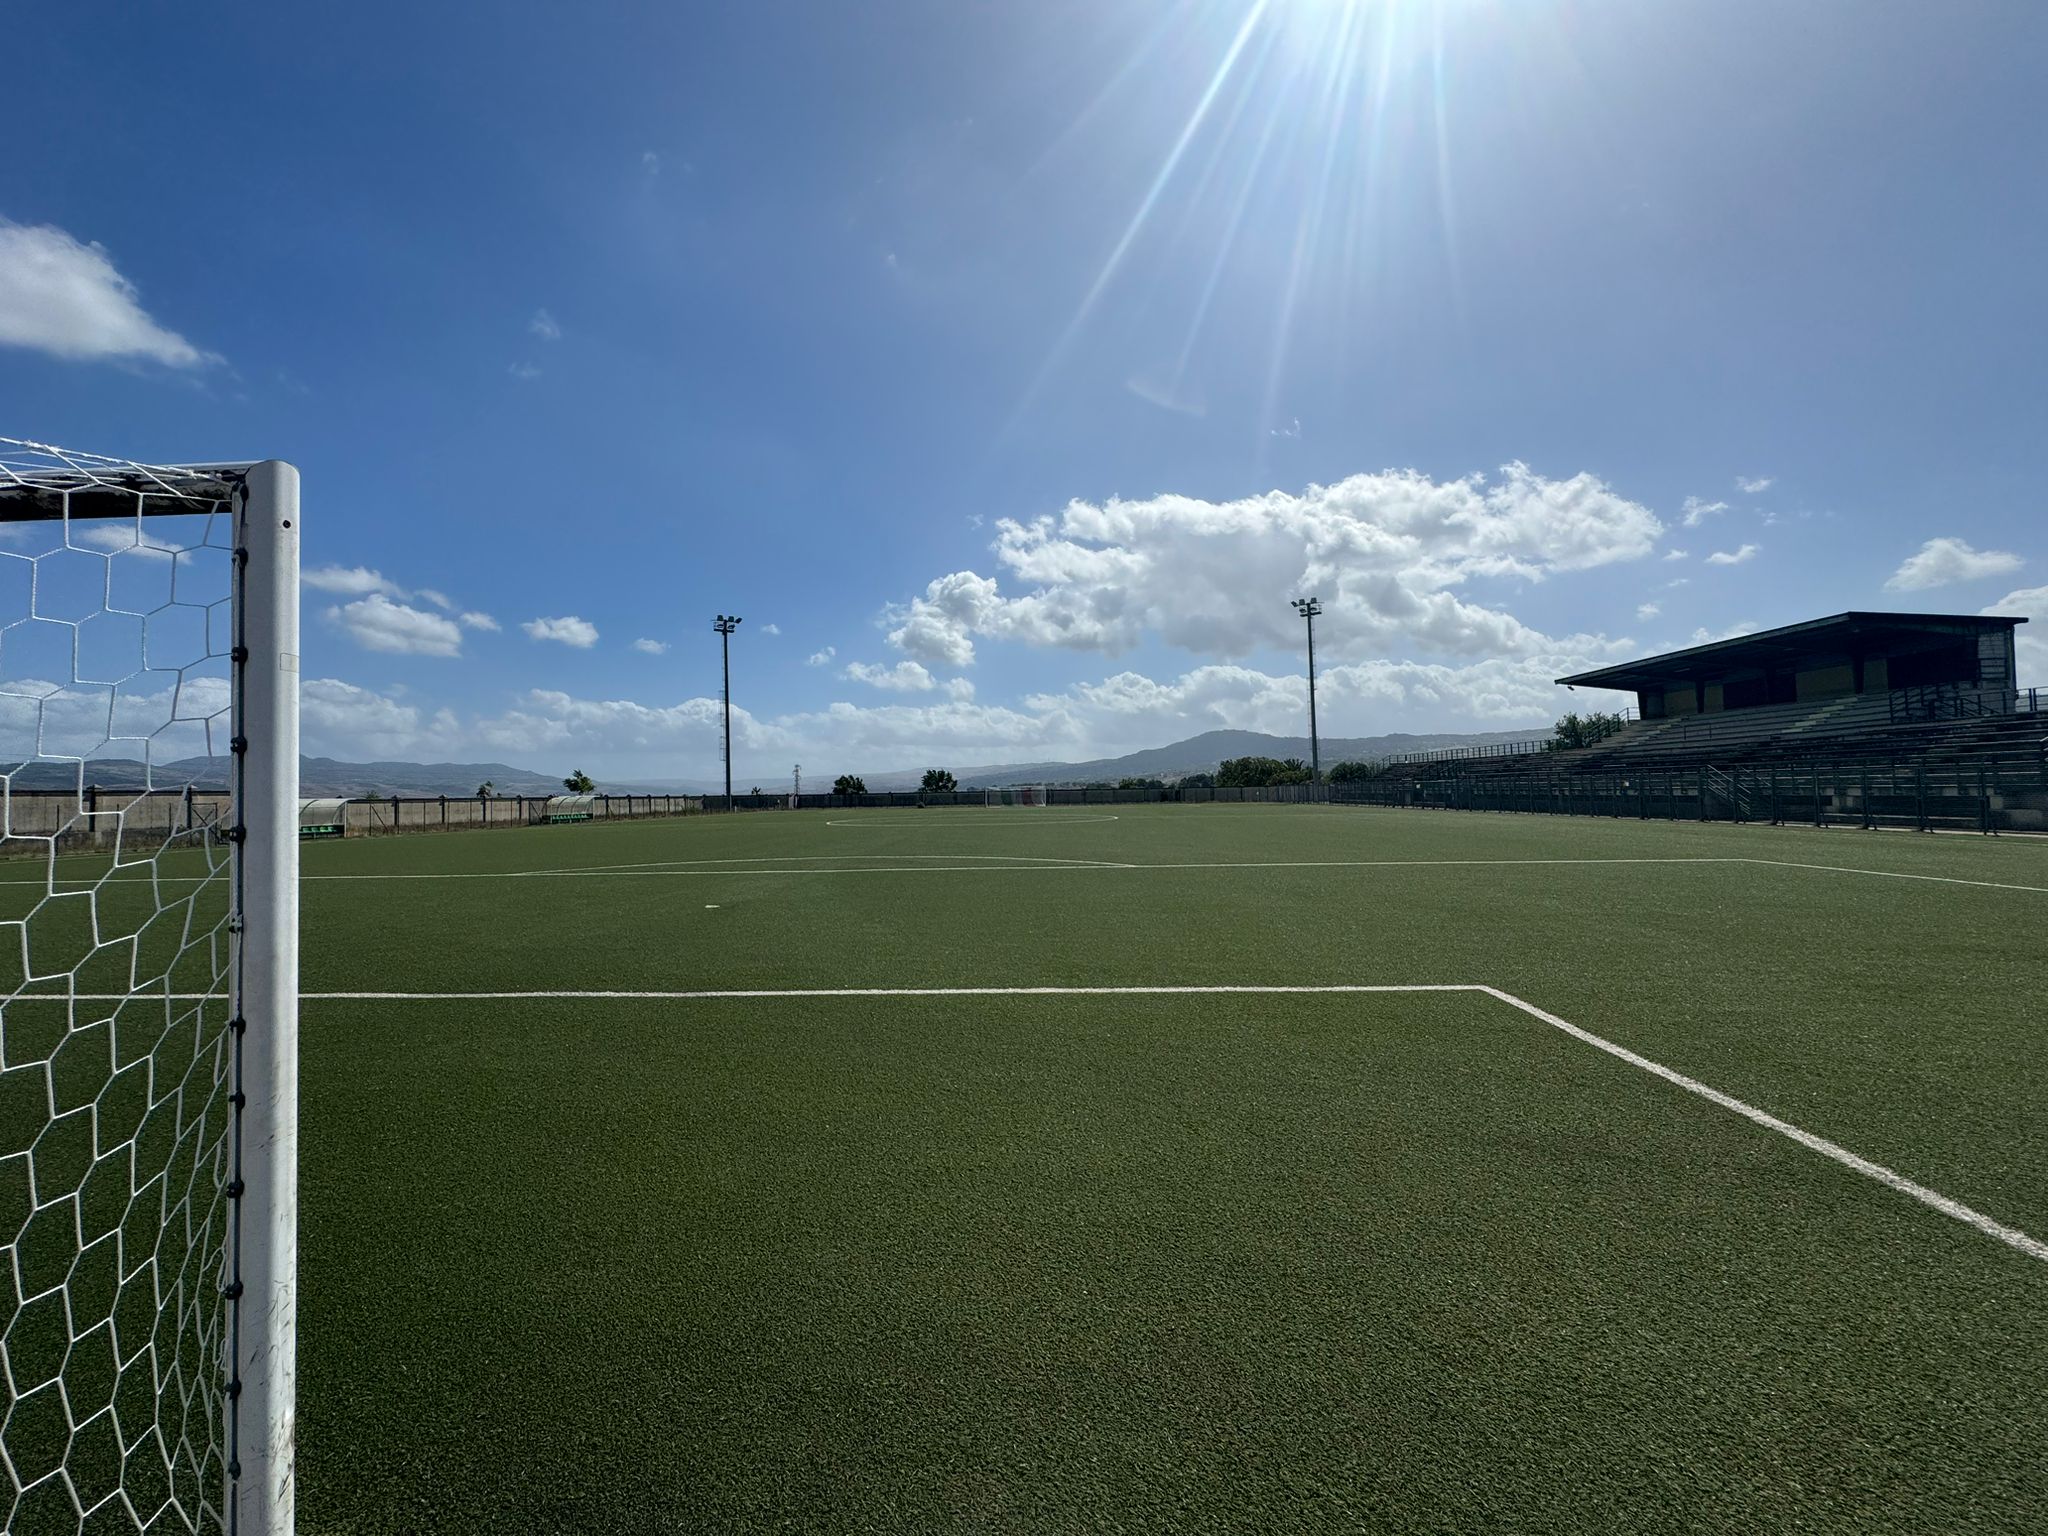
(1308, 608)
(725, 624)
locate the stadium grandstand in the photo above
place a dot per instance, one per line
(1869, 718)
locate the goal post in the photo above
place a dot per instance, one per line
(263, 1358)
(149, 809)
(1018, 794)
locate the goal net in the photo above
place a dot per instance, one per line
(1026, 794)
(148, 992)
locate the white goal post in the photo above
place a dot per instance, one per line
(1019, 794)
(149, 847)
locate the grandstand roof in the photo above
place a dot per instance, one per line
(1816, 639)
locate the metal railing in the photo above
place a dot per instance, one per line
(1983, 797)
(1959, 701)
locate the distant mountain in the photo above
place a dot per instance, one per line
(317, 776)
(329, 776)
(1201, 754)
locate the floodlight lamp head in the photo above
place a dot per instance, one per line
(1307, 607)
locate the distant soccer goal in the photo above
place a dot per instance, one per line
(1023, 794)
(149, 830)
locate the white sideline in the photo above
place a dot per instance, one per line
(1896, 874)
(1023, 864)
(2012, 1237)
(667, 868)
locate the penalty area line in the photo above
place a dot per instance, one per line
(1933, 1199)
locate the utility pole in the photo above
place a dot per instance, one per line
(1308, 608)
(725, 625)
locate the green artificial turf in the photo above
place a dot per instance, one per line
(1404, 1262)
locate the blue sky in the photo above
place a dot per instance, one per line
(1009, 366)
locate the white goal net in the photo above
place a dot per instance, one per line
(148, 992)
(1024, 794)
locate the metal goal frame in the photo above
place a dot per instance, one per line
(258, 1269)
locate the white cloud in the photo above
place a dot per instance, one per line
(342, 720)
(1740, 556)
(771, 629)
(72, 719)
(1677, 554)
(943, 724)
(580, 633)
(652, 647)
(378, 624)
(1704, 636)
(545, 326)
(1944, 562)
(524, 371)
(1698, 511)
(123, 538)
(2027, 603)
(1678, 581)
(1648, 611)
(904, 677)
(1384, 552)
(821, 658)
(361, 581)
(650, 162)
(2031, 639)
(64, 298)
(1754, 485)
(354, 579)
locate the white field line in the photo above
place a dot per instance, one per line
(2012, 1237)
(914, 820)
(1049, 867)
(1035, 867)
(1016, 864)
(1894, 874)
(858, 858)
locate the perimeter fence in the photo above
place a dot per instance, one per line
(911, 799)
(95, 818)
(1923, 798)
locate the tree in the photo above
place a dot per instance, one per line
(1196, 781)
(1136, 783)
(849, 784)
(939, 781)
(485, 790)
(1353, 773)
(579, 783)
(1576, 730)
(1248, 772)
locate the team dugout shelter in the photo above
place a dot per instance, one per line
(1822, 659)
